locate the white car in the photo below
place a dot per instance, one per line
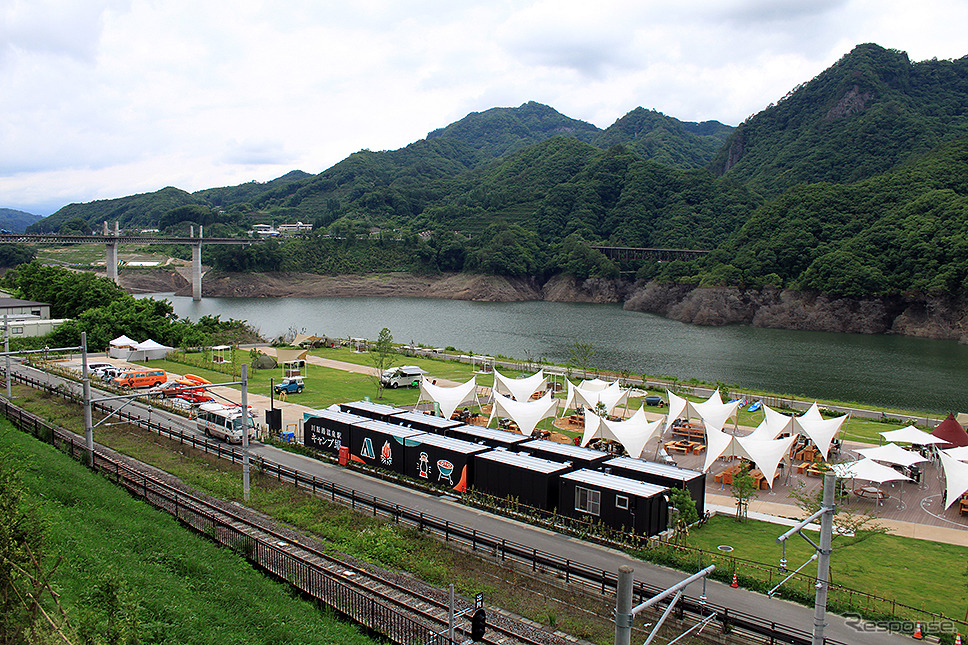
(94, 368)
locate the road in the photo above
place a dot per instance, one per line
(571, 548)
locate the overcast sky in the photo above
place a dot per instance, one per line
(107, 98)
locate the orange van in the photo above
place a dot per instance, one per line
(140, 378)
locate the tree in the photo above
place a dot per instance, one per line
(742, 491)
(858, 524)
(686, 513)
(580, 354)
(382, 356)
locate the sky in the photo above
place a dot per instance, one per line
(108, 98)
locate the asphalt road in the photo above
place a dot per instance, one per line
(591, 555)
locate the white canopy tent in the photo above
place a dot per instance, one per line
(633, 433)
(956, 479)
(519, 388)
(912, 435)
(893, 454)
(773, 425)
(594, 384)
(821, 431)
(121, 347)
(868, 470)
(526, 414)
(611, 396)
(448, 398)
(960, 453)
(148, 350)
(719, 443)
(766, 454)
(713, 412)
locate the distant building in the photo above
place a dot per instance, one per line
(27, 318)
(298, 227)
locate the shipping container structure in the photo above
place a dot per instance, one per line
(424, 422)
(578, 456)
(380, 444)
(491, 437)
(662, 475)
(442, 461)
(327, 430)
(618, 502)
(532, 480)
(370, 410)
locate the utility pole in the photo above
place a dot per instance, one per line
(86, 393)
(245, 431)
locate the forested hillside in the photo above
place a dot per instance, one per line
(871, 111)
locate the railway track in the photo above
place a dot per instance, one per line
(303, 563)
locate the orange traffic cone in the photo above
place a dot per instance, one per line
(917, 631)
(735, 584)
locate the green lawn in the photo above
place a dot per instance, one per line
(925, 575)
(167, 584)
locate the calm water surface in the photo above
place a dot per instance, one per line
(881, 370)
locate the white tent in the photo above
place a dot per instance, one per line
(520, 388)
(893, 454)
(821, 431)
(148, 350)
(633, 433)
(960, 453)
(448, 398)
(910, 434)
(594, 384)
(868, 470)
(956, 479)
(121, 347)
(766, 453)
(719, 443)
(773, 425)
(713, 412)
(611, 396)
(526, 414)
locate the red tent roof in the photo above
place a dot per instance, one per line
(951, 431)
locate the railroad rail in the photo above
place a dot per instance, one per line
(755, 629)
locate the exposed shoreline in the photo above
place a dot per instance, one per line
(932, 318)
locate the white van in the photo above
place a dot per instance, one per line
(403, 376)
(224, 422)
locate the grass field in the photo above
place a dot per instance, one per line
(129, 569)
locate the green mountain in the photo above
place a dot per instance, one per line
(141, 211)
(16, 221)
(655, 136)
(903, 232)
(866, 114)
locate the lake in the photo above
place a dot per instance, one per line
(890, 371)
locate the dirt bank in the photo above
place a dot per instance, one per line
(944, 319)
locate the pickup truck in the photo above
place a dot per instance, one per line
(289, 385)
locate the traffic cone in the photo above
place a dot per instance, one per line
(735, 584)
(917, 631)
(958, 638)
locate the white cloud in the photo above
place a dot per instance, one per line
(104, 98)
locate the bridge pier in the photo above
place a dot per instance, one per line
(197, 271)
(111, 255)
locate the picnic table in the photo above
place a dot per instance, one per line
(871, 492)
(684, 446)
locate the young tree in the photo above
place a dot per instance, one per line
(686, 514)
(382, 356)
(742, 490)
(581, 354)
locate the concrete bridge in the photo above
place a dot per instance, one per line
(111, 240)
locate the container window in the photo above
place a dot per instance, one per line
(622, 501)
(588, 501)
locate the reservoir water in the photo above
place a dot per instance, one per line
(892, 371)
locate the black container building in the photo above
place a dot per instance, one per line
(661, 475)
(424, 422)
(440, 460)
(616, 501)
(370, 410)
(578, 456)
(492, 437)
(327, 430)
(532, 480)
(380, 444)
